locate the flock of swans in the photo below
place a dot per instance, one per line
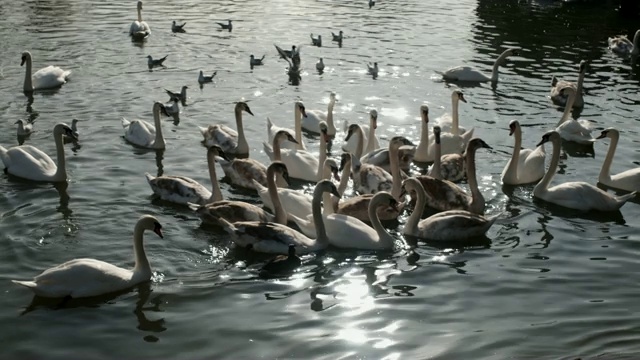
(294, 222)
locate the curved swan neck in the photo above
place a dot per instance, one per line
(359, 142)
(28, 84)
(477, 200)
(330, 124)
(437, 157)
(371, 143)
(216, 194)
(394, 164)
(346, 173)
(61, 172)
(375, 220)
(298, 129)
(322, 156)
(141, 262)
(277, 156)
(496, 65)
(515, 156)
(605, 171)
(243, 146)
(553, 165)
(280, 214)
(567, 108)
(159, 141)
(316, 210)
(412, 223)
(455, 126)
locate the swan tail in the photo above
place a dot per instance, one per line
(125, 123)
(193, 206)
(627, 197)
(149, 177)
(203, 130)
(27, 284)
(267, 149)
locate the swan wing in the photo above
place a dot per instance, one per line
(464, 73)
(139, 132)
(301, 164)
(242, 172)
(583, 196)
(373, 179)
(29, 162)
(453, 226)
(444, 195)
(348, 232)
(179, 189)
(49, 77)
(576, 131)
(531, 165)
(231, 211)
(223, 136)
(627, 180)
(311, 122)
(269, 237)
(272, 129)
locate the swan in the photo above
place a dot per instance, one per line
(229, 140)
(577, 131)
(560, 97)
(28, 162)
(449, 166)
(139, 29)
(620, 45)
(450, 123)
(627, 180)
(369, 132)
(142, 133)
(242, 172)
(449, 225)
(380, 157)
(25, 128)
(184, 190)
(270, 237)
(574, 195)
(301, 164)
(86, 277)
(526, 166)
(467, 73)
(312, 118)
(450, 143)
(444, 195)
(45, 78)
(299, 111)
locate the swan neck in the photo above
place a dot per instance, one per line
(360, 143)
(142, 266)
(330, 124)
(496, 66)
(298, 129)
(28, 84)
(567, 108)
(139, 15)
(159, 141)
(411, 226)
(277, 156)
(394, 164)
(605, 171)
(515, 156)
(423, 145)
(61, 172)
(327, 203)
(281, 215)
(243, 146)
(437, 158)
(477, 200)
(371, 144)
(344, 180)
(581, 76)
(543, 185)
(375, 221)
(216, 194)
(322, 156)
(316, 210)
(455, 126)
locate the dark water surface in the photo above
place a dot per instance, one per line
(548, 283)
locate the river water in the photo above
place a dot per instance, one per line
(548, 283)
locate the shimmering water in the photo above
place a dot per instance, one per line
(550, 283)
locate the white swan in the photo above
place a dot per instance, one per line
(380, 156)
(28, 162)
(369, 132)
(525, 166)
(627, 180)
(312, 118)
(275, 238)
(444, 195)
(451, 123)
(449, 166)
(139, 29)
(301, 164)
(184, 190)
(574, 195)
(452, 225)
(142, 133)
(80, 278)
(25, 128)
(298, 111)
(45, 78)
(578, 131)
(468, 73)
(620, 45)
(450, 143)
(229, 140)
(560, 97)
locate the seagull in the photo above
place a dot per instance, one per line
(177, 28)
(181, 96)
(371, 3)
(25, 128)
(227, 26)
(373, 70)
(316, 42)
(206, 79)
(170, 109)
(320, 65)
(335, 37)
(153, 63)
(255, 62)
(287, 53)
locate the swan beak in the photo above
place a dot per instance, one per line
(249, 111)
(158, 230)
(336, 175)
(511, 131)
(24, 59)
(335, 192)
(541, 142)
(601, 136)
(349, 135)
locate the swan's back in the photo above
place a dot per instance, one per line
(49, 77)
(231, 211)
(179, 189)
(348, 232)
(242, 172)
(372, 179)
(464, 73)
(576, 130)
(139, 132)
(272, 130)
(223, 136)
(28, 162)
(582, 196)
(454, 225)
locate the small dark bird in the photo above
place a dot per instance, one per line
(371, 3)
(282, 264)
(177, 28)
(335, 37)
(153, 63)
(181, 96)
(202, 78)
(316, 41)
(253, 61)
(227, 26)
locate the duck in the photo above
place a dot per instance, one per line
(450, 123)
(231, 141)
(372, 69)
(449, 167)
(274, 238)
(620, 45)
(227, 26)
(525, 166)
(380, 156)
(45, 78)
(576, 195)
(30, 163)
(316, 41)
(451, 225)
(175, 27)
(282, 264)
(299, 111)
(628, 180)
(471, 74)
(139, 29)
(85, 277)
(368, 132)
(254, 61)
(151, 62)
(320, 65)
(178, 96)
(560, 97)
(444, 195)
(25, 128)
(184, 190)
(312, 118)
(203, 79)
(578, 131)
(302, 164)
(142, 133)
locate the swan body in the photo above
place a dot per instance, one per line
(471, 74)
(574, 195)
(620, 45)
(202, 78)
(45, 78)
(28, 162)
(144, 134)
(229, 140)
(449, 143)
(560, 97)
(139, 29)
(299, 112)
(578, 131)
(80, 278)
(627, 180)
(312, 118)
(451, 225)
(243, 172)
(525, 166)
(25, 128)
(368, 133)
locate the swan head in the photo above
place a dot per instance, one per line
(436, 133)
(412, 185)
(331, 167)
(324, 131)
(64, 129)
(551, 136)
(216, 150)
(326, 186)
(610, 133)
(333, 95)
(148, 222)
(140, 6)
(513, 125)
(424, 113)
(477, 143)
(300, 107)
(285, 135)
(242, 106)
(459, 95)
(583, 66)
(398, 141)
(278, 167)
(373, 118)
(345, 160)
(353, 128)
(25, 55)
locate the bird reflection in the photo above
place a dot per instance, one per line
(144, 324)
(61, 187)
(159, 158)
(317, 302)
